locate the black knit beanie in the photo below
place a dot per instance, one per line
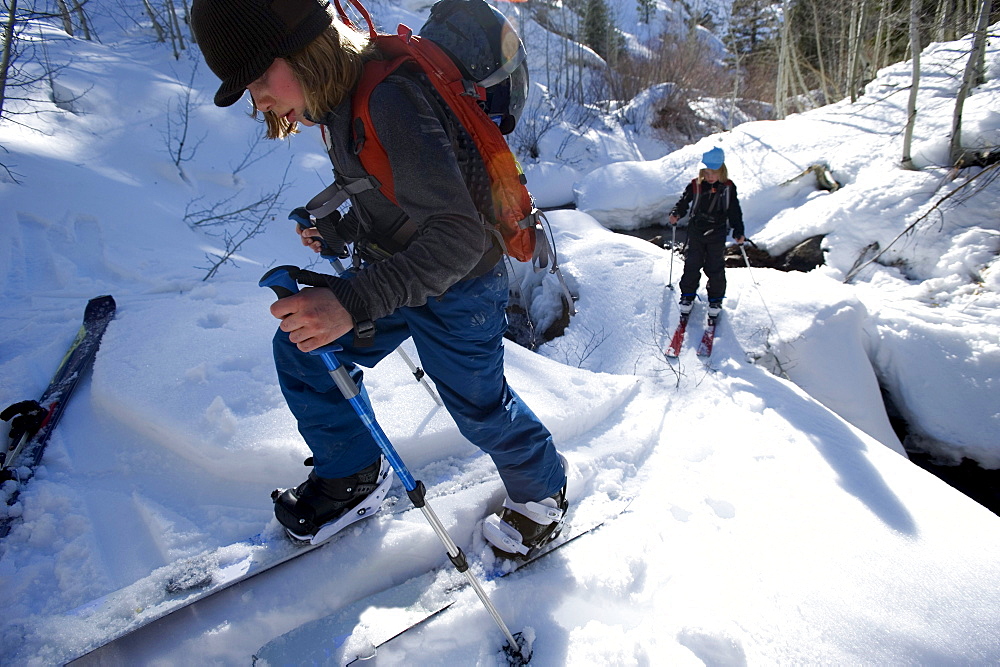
(241, 38)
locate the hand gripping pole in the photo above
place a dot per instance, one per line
(280, 280)
(301, 217)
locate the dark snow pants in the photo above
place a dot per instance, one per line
(705, 251)
(459, 337)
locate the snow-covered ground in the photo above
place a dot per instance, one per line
(773, 519)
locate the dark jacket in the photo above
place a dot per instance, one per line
(714, 207)
(432, 158)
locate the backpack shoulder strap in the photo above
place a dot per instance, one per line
(696, 189)
(367, 145)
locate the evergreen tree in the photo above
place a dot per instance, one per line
(752, 24)
(646, 10)
(598, 29)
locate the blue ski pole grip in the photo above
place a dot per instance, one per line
(301, 217)
(280, 280)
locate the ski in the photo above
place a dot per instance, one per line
(185, 582)
(181, 584)
(708, 338)
(674, 348)
(32, 422)
(358, 631)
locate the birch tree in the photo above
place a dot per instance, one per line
(973, 76)
(911, 104)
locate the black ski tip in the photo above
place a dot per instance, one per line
(99, 308)
(521, 654)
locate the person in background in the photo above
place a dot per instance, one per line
(426, 267)
(714, 209)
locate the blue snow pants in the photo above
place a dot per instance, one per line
(459, 337)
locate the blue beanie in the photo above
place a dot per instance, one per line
(714, 158)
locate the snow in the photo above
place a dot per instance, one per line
(772, 514)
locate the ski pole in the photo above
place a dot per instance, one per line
(757, 287)
(673, 237)
(419, 375)
(301, 217)
(279, 280)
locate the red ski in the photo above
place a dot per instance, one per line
(707, 338)
(674, 349)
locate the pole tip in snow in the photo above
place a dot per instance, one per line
(521, 654)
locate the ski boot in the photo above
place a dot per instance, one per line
(524, 527)
(686, 304)
(319, 508)
(714, 308)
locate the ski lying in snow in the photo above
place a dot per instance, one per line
(185, 582)
(32, 422)
(708, 338)
(674, 348)
(359, 630)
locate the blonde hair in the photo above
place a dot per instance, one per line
(723, 174)
(328, 69)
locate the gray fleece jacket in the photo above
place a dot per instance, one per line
(432, 159)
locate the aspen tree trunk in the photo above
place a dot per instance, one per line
(823, 78)
(973, 77)
(64, 15)
(859, 13)
(942, 21)
(843, 46)
(176, 25)
(737, 65)
(173, 29)
(160, 36)
(84, 23)
(781, 87)
(911, 104)
(8, 46)
(881, 35)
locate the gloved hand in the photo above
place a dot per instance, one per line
(320, 235)
(24, 417)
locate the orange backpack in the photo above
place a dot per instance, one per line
(513, 214)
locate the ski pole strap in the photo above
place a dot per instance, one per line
(334, 195)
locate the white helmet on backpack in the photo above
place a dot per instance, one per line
(488, 50)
